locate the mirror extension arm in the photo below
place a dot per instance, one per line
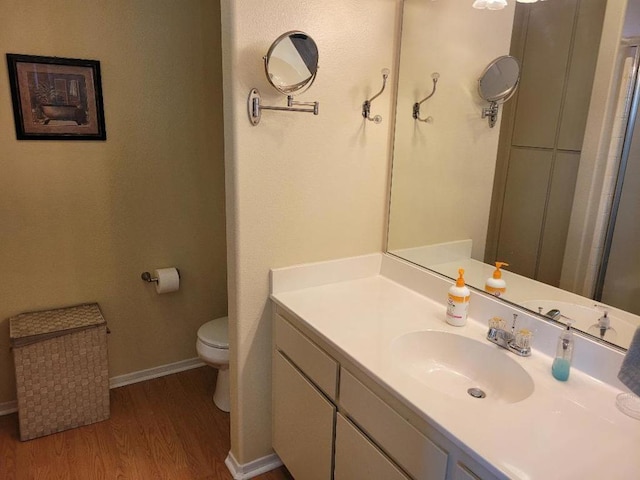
(491, 112)
(366, 106)
(255, 106)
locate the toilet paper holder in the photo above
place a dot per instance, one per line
(146, 276)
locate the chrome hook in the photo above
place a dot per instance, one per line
(416, 106)
(366, 106)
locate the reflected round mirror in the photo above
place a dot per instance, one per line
(500, 79)
(292, 62)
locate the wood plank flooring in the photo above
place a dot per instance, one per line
(166, 428)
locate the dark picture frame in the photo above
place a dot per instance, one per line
(56, 98)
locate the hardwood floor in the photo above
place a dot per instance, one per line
(166, 428)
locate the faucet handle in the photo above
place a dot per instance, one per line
(496, 323)
(523, 338)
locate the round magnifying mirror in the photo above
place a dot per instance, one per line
(292, 62)
(500, 79)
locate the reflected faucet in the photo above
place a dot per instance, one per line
(517, 342)
(556, 315)
(553, 314)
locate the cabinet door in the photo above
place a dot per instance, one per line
(303, 421)
(358, 459)
(463, 473)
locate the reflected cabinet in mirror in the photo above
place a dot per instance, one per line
(554, 188)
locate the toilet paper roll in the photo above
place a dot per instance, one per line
(168, 280)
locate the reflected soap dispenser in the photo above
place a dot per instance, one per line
(603, 328)
(564, 353)
(495, 284)
(458, 302)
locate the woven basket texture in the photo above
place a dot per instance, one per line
(62, 375)
(54, 322)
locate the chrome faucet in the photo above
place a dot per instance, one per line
(518, 342)
(554, 314)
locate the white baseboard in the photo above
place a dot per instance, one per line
(129, 378)
(155, 372)
(8, 407)
(251, 469)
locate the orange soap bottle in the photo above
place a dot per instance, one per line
(495, 285)
(458, 302)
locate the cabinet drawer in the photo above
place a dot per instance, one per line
(317, 365)
(358, 459)
(303, 422)
(409, 448)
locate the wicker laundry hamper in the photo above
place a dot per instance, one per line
(62, 376)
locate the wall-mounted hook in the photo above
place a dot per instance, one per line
(366, 106)
(416, 106)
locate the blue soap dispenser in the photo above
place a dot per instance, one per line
(564, 353)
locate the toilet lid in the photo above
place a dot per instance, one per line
(215, 333)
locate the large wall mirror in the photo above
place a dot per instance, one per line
(554, 188)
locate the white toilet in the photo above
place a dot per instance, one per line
(213, 349)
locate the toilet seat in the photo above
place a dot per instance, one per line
(215, 333)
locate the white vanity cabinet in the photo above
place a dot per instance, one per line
(304, 389)
(327, 424)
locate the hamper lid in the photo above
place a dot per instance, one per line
(35, 326)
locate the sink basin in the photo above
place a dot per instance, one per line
(455, 365)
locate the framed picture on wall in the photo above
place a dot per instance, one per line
(56, 98)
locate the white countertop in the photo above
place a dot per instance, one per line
(569, 430)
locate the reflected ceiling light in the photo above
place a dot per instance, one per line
(490, 4)
(496, 4)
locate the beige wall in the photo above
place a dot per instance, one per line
(300, 188)
(443, 171)
(79, 221)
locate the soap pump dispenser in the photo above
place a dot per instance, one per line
(495, 284)
(564, 353)
(603, 329)
(458, 302)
